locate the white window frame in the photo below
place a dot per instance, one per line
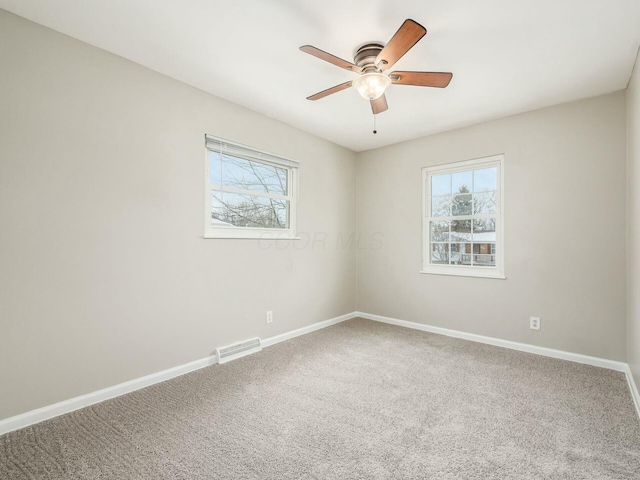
(238, 150)
(464, 270)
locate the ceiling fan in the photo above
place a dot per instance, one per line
(372, 59)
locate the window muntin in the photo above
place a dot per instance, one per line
(249, 194)
(463, 218)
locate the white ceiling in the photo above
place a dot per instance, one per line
(507, 56)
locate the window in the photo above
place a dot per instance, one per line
(463, 218)
(248, 194)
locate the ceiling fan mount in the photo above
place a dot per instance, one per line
(372, 59)
(365, 55)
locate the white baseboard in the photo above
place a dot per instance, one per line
(267, 342)
(634, 390)
(66, 406)
(523, 347)
(45, 413)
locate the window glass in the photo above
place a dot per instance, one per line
(440, 185)
(463, 219)
(246, 174)
(249, 192)
(239, 210)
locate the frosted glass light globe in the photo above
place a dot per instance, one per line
(371, 85)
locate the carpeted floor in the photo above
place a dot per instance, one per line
(359, 400)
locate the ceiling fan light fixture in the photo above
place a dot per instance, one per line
(371, 86)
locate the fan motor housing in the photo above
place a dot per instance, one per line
(365, 55)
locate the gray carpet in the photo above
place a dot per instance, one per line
(360, 400)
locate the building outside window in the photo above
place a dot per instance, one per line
(463, 221)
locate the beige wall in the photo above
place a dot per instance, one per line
(633, 224)
(104, 276)
(564, 230)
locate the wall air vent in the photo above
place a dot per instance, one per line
(237, 350)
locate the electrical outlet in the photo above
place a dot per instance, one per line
(534, 323)
(269, 316)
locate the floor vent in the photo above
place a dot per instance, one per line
(237, 350)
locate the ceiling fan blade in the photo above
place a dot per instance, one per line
(422, 79)
(327, 57)
(379, 105)
(406, 37)
(329, 91)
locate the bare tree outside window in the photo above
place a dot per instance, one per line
(253, 194)
(249, 193)
(462, 230)
(463, 218)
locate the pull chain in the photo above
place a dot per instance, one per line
(374, 124)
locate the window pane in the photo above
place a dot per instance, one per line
(440, 253)
(484, 203)
(246, 174)
(215, 173)
(484, 260)
(461, 231)
(440, 185)
(461, 204)
(460, 254)
(441, 206)
(237, 210)
(484, 230)
(461, 182)
(439, 231)
(485, 179)
(463, 214)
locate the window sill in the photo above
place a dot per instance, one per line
(477, 273)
